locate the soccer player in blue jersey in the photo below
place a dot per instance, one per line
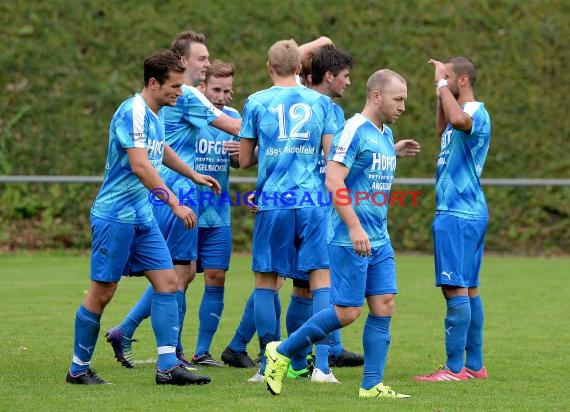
(289, 124)
(126, 238)
(461, 217)
(326, 70)
(216, 152)
(235, 353)
(360, 171)
(182, 122)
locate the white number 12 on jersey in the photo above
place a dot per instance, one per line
(300, 114)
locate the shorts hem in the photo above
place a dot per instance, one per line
(438, 285)
(183, 262)
(202, 268)
(349, 305)
(296, 276)
(271, 270)
(317, 268)
(382, 292)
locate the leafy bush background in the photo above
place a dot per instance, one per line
(66, 66)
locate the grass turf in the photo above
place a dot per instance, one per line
(526, 343)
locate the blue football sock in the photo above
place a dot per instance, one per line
(265, 317)
(210, 314)
(138, 313)
(165, 324)
(321, 301)
(315, 329)
(299, 311)
(336, 347)
(376, 341)
(181, 301)
(246, 328)
(456, 325)
(474, 347)
(87, 325)
(277, 304)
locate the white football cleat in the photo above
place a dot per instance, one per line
(257, 378)
(320, 377)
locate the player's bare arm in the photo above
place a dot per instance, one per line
(247, 153)
(227, 124)
(449, 105)
(326, 141)
(314, 45)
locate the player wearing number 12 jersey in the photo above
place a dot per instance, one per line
(289, 124)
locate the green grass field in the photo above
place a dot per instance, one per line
(526, 340)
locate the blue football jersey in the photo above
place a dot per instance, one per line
(460, 164)
(213, 160)
(122, 197)
(288, 123)
(192, 112)
(370, 155)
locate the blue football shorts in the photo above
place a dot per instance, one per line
(214, 248)
(121, 249)
(291, 242)
(458, 250)
(182, 243)
(354, 277)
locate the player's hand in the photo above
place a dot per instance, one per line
(231, 147)
(407, 147)
(253, 208)
(209, 181)
(360, 241)
(185, 214)
(439, 69)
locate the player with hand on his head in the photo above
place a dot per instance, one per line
(461, 216)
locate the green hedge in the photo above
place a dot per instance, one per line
(66, 65)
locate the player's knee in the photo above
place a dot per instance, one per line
(266, 280)
(186, 273)
(164, 281)
(103, 294)
(215, 277)
(347, 315)
(301, 291)
(382, 305)
(169, 285)
(387, 308)
(450, 291)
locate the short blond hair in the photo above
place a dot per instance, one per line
(284, 57)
